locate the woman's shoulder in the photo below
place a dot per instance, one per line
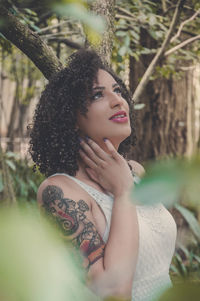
(62, 185)
(137, 168)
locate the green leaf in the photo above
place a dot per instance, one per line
(121, 33)
(11, 164)
(79, 12)
(174, 269)
(197, 258)
(1, 182)
(135, 35)
(127, 41)
(152, 20)
(180, 265)
(35, 264)
(123, 50)
(30, 12)
(161, 184)
(190, 219)
(32, 185)
(139, 106)
(182, 291)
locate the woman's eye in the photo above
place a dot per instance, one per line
(118, 90)
(97, 95)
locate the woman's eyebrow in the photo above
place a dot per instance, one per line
(103, 88)
(98, 88)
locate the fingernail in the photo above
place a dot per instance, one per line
(80, 139)
(87, 138)
(104, 139)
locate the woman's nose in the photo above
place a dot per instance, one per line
(116, 99)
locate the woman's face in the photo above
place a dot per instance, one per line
(106, 101)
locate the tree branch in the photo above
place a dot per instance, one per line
(42, 30)
(183, 24)
(67, 42)
(29, 43)
(118, 16)
(181, 45)
(145, 79)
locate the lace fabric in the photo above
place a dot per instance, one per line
(157, 236)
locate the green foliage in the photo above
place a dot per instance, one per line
(94, 25)
(35, 264)
(167, 180)
(182, 292)
(25, 181)
(140, 30)
(74, 10)
(186, 264)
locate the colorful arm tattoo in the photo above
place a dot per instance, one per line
(71, 219)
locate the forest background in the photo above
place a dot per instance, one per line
(154, 46)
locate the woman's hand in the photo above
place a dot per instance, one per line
(111, 170)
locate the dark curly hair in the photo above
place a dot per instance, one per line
(54, 143)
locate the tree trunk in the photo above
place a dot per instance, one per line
(166, 125)
(105, 8)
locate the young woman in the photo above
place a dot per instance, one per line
(83, 129)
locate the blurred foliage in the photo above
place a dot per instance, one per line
(35, 264)
(186, 264)
(29, 12)
(140, 30)
(25, 181)
(182, 292)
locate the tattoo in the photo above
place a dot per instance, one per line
(71, 219)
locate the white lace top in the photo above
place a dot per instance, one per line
(157, 236)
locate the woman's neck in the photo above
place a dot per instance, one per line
(81, 173)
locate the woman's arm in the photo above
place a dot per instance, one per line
(120, 255)
(112, 172)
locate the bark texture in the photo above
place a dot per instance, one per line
(105, 8)
(166, 126)
(150, 69)
(29, 43)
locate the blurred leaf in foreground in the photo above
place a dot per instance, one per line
(162, 183)
(35, 265)
(94, 25)
(182, 292)
(166, 181)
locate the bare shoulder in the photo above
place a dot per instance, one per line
(137, 168)
(62, 187)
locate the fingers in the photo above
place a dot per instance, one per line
(87, 160)
(97, 150)
(94, 151)
(95, 156)
(115, 155)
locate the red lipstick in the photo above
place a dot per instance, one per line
(119, 117)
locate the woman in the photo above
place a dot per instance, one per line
(83, 128)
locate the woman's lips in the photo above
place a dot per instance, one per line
(120, 119)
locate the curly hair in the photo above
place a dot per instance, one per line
(54, 144)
